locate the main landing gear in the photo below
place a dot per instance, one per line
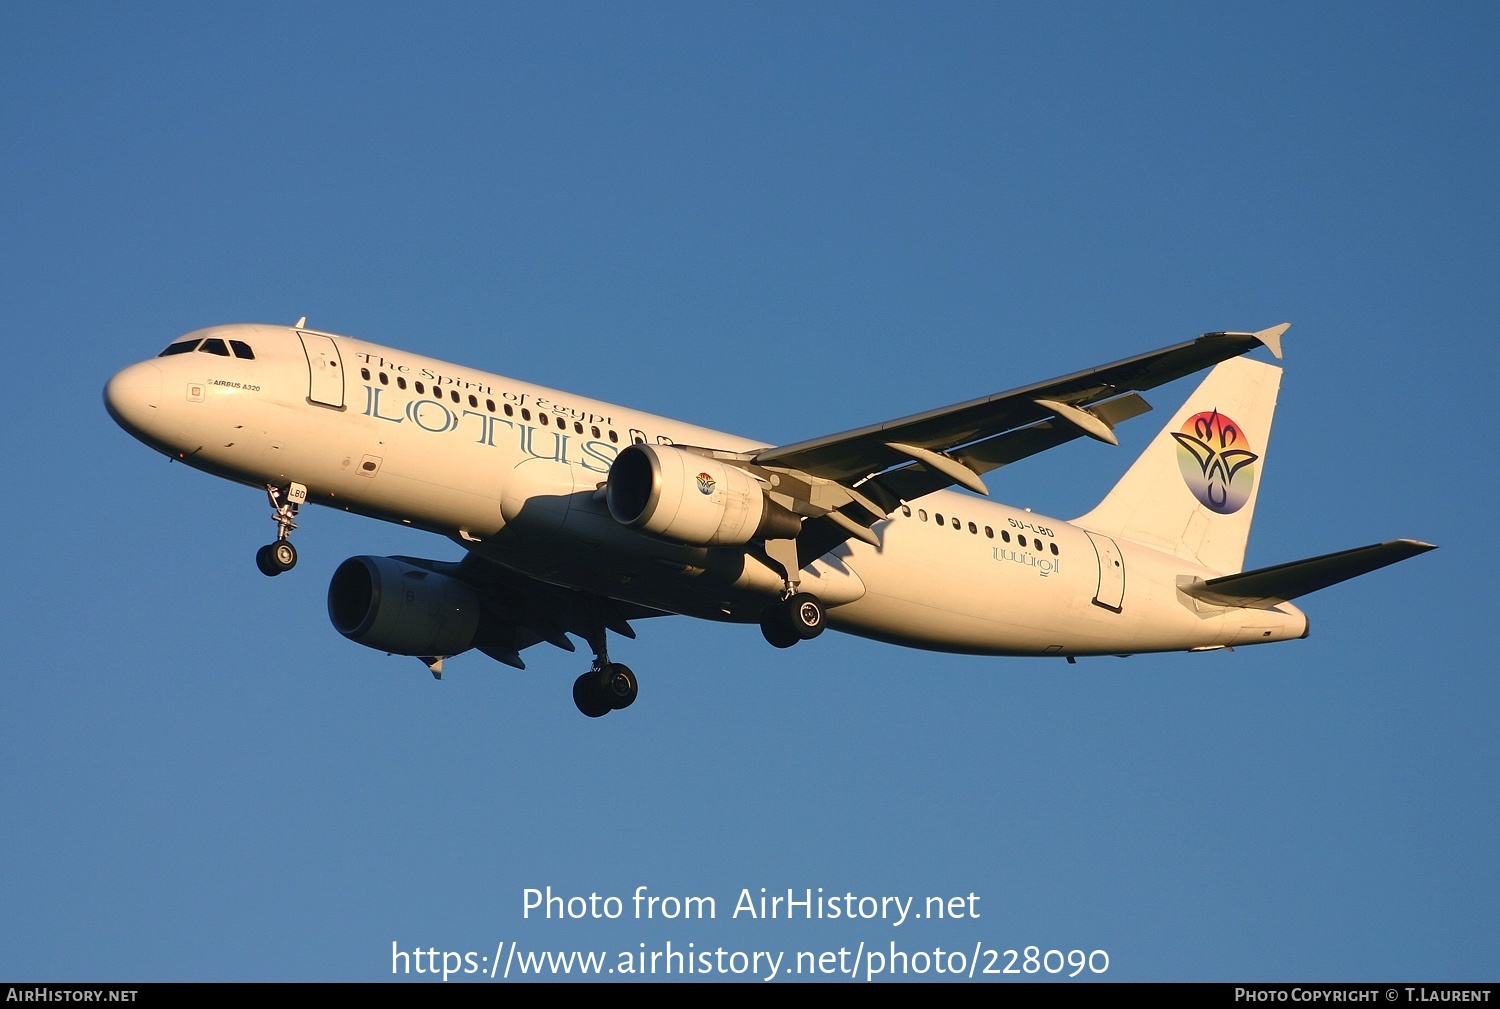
(799, 617)
(607, 686)
(274, 558)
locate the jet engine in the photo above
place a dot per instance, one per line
(692, 498)
(397, 607)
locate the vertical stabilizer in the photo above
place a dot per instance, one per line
(1192, 492)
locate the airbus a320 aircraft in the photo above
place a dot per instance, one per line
(578, 516)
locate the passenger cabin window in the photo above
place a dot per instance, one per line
(242, 349)
(214, 346)
(613, 437)
(400, 382)
(421, 390)
(184, 347)
(364, 373)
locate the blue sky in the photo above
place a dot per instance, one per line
(781, 221)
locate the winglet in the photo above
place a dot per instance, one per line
(1272, 338)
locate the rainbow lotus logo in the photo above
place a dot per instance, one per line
(705, 484)
(1216, 461)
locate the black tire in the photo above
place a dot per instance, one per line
(619, 686)
(283, 555)
(588, 697)
(805, 616)
(777, 628)
(266, 562)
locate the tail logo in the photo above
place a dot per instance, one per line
(1217, 464)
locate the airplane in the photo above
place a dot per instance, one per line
(578, 516)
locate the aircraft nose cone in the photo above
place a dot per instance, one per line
(133, 397)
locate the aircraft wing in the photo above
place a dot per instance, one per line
(1074, 405)
(884, 464)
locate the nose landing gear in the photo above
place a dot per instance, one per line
(274, 558)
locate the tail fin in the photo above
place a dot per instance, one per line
(1192, 492)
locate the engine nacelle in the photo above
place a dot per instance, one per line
(387, 604)
(691, 498)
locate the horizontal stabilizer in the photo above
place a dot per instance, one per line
(1266, 587)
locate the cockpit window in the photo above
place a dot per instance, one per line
(180, 347)
(214, 346)
(242, 349)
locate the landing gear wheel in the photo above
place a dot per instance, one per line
(589, 698)
(274, 558)
(619, 686)
(798, 618)
(266, 564)
(283, 555)
(777, 628)
(805, 615)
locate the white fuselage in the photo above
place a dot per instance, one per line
(511, 471)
